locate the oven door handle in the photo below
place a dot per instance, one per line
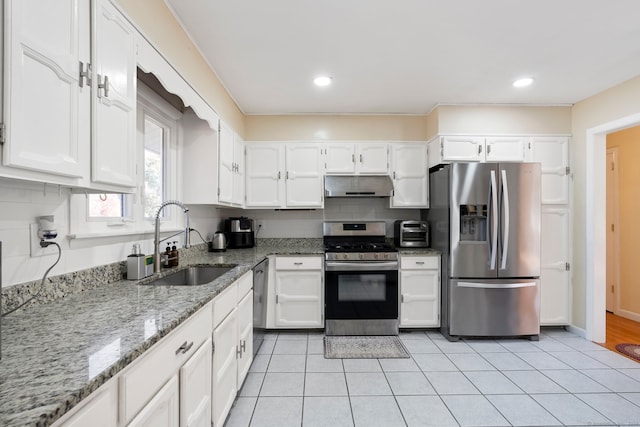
(360, 266)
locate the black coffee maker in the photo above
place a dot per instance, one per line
(239, 232)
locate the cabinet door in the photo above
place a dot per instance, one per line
(100, 411)
(195, 388)
(553, 154)
(555, 279)
(372, 158)
(298, 298)
(162, 410)
(462, 149)
(340, 158)
(304, 176)
(238, 177)
(245, 336)
(113, 153)
(506, 149)
(410, 176)
(42, 93)
(419, 298)
(226, 166)
(225, 367)
(264, 173)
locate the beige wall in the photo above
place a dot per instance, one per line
(614, 103)
(628, 143)
(158, 24)
(494, 119)
(334, 127)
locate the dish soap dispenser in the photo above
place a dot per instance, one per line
(174, 255)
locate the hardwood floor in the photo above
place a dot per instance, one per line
(621, 330)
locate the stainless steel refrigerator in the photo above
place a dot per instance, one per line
(485, 218)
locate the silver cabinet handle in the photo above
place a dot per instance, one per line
(86, 74)
(353, 158)
(479, 148)
(243, 346)
(286, 175)
(394, 174)
(276, 299)
(420, 262)
(360, 158)
(104, 84)
(238, 352)
(297, 263)
(184, 347)
(488, 148)
(279, 174)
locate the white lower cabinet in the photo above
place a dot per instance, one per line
(162, 410)
(100, 410)
(555, 274)
(298, 298)
(419, 291)
(233, 345)
(147, 387)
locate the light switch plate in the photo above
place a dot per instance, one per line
(35, 249)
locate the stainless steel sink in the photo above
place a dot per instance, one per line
(192, 276)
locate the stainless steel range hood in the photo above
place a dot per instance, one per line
(357, 186)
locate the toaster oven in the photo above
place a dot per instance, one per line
(411, 234)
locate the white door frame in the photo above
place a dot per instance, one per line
(613, 184)
(596, 224)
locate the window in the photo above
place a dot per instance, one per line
(159, 132)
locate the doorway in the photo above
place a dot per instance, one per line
(595, 216)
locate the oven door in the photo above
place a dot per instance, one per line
(361, 290)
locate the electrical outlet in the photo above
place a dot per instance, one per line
(259, 224)
(35, 248)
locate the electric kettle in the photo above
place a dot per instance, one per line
(218, 243)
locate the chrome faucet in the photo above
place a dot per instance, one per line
(157, 241)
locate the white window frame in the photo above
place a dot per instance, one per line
(149, 104)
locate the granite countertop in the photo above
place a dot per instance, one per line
(56, 354)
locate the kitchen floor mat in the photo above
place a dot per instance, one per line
(631, 350)
(364, 347)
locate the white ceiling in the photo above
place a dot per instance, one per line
(406, 56)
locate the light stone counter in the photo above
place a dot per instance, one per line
(55, 354)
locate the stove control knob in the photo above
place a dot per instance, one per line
(361, 256)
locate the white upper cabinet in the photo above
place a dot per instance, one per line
(410, 175)
(265, 184)
(303, 176)
(284, 175)
(69, 107)
(505, 149)
(448, 149)
(113, 158)
(43, 99)
(348, 158)
(553, 155)
(230, 167)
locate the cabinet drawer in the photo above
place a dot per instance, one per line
(298, 263)
(146, 376)
(419, 262)
(245, 284)
(224, 303)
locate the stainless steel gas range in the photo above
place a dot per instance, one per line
(361, 279)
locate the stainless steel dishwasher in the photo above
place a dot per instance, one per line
(260, 286)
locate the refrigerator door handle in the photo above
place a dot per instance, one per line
(505, 234)
(494, 220)
(496, 285)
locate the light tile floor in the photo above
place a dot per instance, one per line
(560, 380)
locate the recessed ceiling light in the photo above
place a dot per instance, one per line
(524, 82)
(322, 81)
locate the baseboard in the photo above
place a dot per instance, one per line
(578, 331)
(628, 315)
